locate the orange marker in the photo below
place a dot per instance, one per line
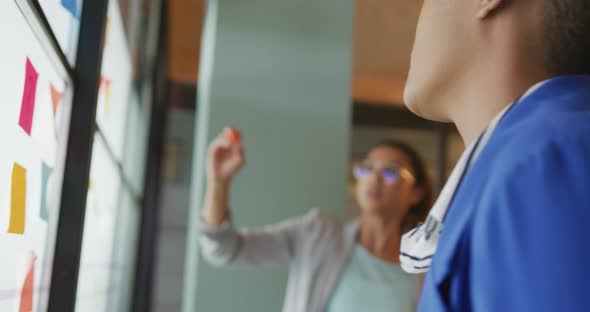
(233, 135)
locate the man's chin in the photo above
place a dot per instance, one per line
(421, 108)
(415, 109)
(411, 102)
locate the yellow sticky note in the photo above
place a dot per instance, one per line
(18, 200)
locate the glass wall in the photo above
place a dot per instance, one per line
(115, 188)
(64, 19)
(34, 119)
(38, 57)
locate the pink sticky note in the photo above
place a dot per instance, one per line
(28, 102)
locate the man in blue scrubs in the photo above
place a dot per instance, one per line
(511, 231)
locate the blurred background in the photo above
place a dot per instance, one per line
(314, 87)
(138, 88)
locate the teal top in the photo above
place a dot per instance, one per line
(371, 284)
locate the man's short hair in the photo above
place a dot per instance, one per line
(567, 36)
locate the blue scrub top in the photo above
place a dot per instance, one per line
(517, 235)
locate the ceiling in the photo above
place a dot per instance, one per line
(383, 37)
(185, 18)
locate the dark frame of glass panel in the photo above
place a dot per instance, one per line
(62, 296)
(144, 275)
(87, 72)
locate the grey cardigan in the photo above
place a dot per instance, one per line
(316, 247)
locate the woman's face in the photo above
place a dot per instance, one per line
(386, 183)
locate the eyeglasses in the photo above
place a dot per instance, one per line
(390, 174)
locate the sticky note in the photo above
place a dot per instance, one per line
(91, 201)
(18, 200)
(56, 97)
(28, 101)
(105, 87)
(46, 173)
(26, 295)
(71, 6)
(106, 31)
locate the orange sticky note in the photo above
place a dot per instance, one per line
(106, 31)
(18, 200)
(56, 97)
(26, 296)
(105, 87)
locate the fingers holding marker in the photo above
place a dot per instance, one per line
(233, 135)
(226, 139)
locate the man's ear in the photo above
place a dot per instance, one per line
(486, 8)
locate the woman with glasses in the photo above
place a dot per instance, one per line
(334, 266)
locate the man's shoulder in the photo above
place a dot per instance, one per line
(556, 137)
(542, 161)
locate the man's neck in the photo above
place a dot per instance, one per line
(483, 100)
(381, 236)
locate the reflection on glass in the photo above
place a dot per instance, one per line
(136, 136)
(124, 254)
(64, 18)
(136, 20)
(115, 82)
(100, 223)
